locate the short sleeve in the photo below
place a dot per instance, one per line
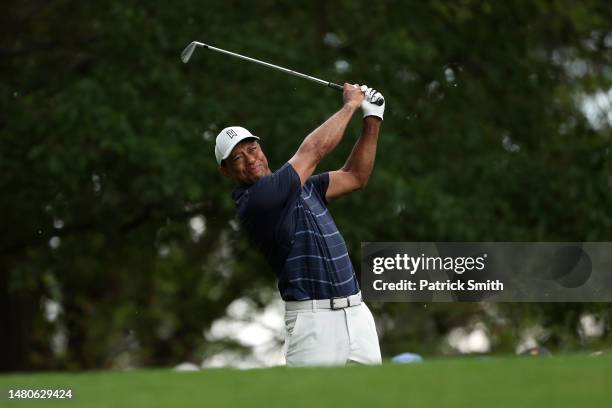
(274, 192)
(321, 182)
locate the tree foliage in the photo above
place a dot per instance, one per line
(106, 157)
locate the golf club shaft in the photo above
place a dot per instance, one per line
(188, 51)
(286, 70)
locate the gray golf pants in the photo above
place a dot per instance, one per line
(331, 337)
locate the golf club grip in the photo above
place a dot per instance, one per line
(337, 87)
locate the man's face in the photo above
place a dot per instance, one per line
(246, 164)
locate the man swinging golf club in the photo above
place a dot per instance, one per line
(285, 214)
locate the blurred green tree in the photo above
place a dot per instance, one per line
(112, 207)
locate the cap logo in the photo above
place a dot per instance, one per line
(231, 133)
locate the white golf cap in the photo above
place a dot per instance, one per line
(227, 139)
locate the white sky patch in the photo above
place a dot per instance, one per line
(576, 68)
(58, 224)
(186, 367)
(332, 40)
(240, 308)
(573, 66)
(432, 87)
(590, 326)
(598, 108)
(59, 342)
(342, 66)
(257, 330)
(208, 135)
(163, 251)
(55, 242)
(466, 340)
(234, 225)
(197, 226)
(509, 145)
(52, 309)
(97, 186)
(530, 338)
(449, 74)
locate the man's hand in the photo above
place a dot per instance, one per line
(368, 107)
(353, 96)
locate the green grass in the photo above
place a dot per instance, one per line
(569, 381)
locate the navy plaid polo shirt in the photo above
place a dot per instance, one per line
(293, 228)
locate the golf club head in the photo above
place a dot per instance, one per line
(188, 51)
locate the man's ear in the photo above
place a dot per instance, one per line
(224, 171)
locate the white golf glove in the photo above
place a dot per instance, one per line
(369, 108)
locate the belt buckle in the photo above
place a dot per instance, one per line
(332, 303)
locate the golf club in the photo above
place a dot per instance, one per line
(188, 52)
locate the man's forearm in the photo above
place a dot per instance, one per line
(326, 137)
(361, 160)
